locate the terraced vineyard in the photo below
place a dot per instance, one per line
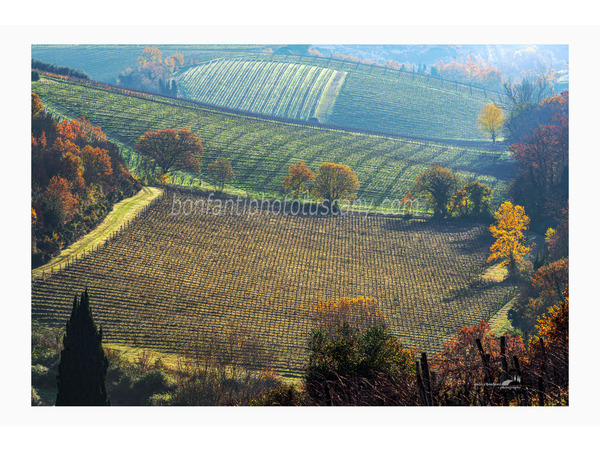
(261, 151)
(294, 91)
(170, 281)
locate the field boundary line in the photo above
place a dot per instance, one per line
(122, 212)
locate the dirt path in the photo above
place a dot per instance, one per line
(122, 211)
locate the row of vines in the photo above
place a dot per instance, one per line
(277, 89)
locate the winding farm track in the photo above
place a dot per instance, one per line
(123, 211)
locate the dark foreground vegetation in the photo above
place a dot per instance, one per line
(354, 360)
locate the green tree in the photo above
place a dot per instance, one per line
(83, 364)
(354, 358)
(480, 196)
(438, 184)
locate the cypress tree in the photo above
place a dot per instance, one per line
(83, 364)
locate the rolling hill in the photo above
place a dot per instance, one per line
(337, 92)
(262, 150)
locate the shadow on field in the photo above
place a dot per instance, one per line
(478, 289)
(438, 226)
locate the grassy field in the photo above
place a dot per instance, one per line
(295, 91)
(171, 282)
(261, 151)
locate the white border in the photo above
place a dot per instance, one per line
(366, 424)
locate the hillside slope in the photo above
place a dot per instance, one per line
(105, 62)
(261, 151)
(366, 97)
(174, 283)
(369, 98)
(294, 91)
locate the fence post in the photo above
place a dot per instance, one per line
(503, 358)
(524, 395)
(541, 391)
(488, 376)
(504, 368)
(420, 385)
(426, 378)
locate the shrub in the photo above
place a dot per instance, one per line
(354, 358)
(36, 400)
(287, 395)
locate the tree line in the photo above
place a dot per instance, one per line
(536, 127)
(153, 73)
(76, 175)
(36, 64)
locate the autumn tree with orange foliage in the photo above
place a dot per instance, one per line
(77, 174)
(474, 70)
(297, 180)
(81, 132)
(509, 247)
(58, 193)
(152, 73)
(220, 172)
(174, 62)
(97, 164)
(460, 370)
(544, 289)
(150, 55)
(334, 183)
(542, 167)
(172, 149)
(36, 106)
(550, 354)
